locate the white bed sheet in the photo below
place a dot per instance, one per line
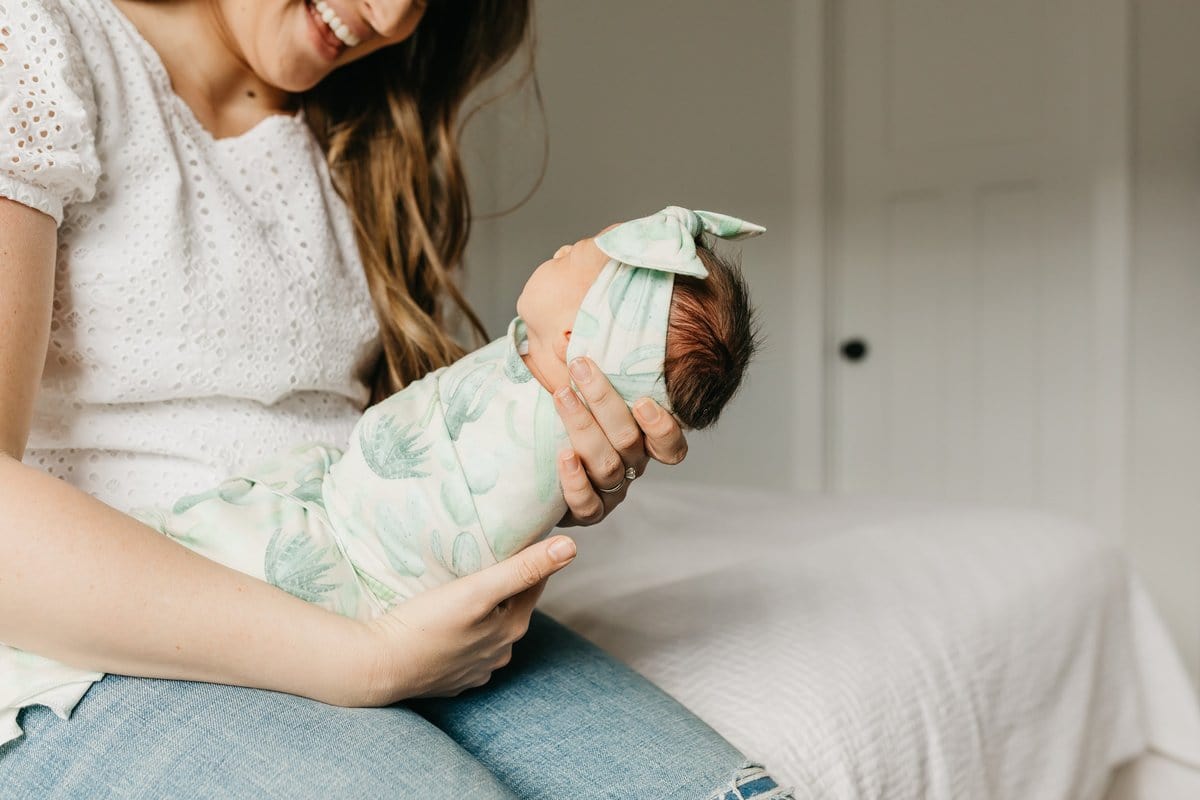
(886, 649)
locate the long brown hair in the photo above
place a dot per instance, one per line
(390, 125)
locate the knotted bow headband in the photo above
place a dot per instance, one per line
(622, 322)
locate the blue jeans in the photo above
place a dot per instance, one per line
(562, 720)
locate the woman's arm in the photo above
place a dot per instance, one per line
(85, 584)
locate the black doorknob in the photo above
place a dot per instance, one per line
(854, 350)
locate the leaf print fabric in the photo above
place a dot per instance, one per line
(468, 398)
(271, 523)
(440, 480)
(296, 565)
(393, 452)
(488, 436)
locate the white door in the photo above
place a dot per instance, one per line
(977, 250)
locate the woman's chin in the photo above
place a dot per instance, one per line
(296, 77)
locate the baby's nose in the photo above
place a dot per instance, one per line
(562, 251)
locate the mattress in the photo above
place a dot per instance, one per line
(884, 648)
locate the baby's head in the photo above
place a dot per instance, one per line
(712, 334)
(658, 310)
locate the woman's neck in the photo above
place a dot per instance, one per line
(206, 67)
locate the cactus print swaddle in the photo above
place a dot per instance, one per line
(452, 474)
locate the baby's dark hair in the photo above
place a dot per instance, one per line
(712, 333)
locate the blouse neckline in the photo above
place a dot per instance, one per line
(182, 110)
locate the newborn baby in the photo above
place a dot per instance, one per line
(457, 471)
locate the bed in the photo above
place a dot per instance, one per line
(886, 648)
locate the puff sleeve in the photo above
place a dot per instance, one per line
(47, 110)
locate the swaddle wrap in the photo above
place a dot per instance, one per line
(450, 475)
(622, 322)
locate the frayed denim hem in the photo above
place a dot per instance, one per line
(752, 781)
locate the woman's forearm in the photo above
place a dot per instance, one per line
(84, 584)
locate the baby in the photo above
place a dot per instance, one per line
(457, 471)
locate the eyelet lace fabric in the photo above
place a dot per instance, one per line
(209, 304)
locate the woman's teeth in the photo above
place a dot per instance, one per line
(339, 28)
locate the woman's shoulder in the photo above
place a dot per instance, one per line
(47, 147)
(81, 16)
(57, 28)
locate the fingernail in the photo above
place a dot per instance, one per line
(562, 549)
(568, 458)
(580, 370)
(646, 409)
(566, 396)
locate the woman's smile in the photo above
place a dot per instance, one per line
(330, 34)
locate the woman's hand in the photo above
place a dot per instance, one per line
(606, 440)
(449, 639)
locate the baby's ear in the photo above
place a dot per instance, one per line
(560, 345)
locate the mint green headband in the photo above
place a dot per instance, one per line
(622, 322)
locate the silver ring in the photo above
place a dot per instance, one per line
(630, 474)
(616, 488)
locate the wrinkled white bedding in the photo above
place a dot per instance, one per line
(885, 649)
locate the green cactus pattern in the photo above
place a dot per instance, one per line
(402, 510)
(399, 535)
(376, 587)
(296, 565)
(469, 398)
(393, 453)
(456, 499)
(547, 429)
(466, 555)
(234, 490)
(435, 546)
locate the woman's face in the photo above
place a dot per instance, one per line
(294, 44)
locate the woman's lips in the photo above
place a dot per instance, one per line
(328, 44)
(336, 24)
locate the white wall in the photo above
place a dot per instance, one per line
(1163, 501)
(741, 130)
(738, 130)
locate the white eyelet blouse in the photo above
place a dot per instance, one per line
(209, 302)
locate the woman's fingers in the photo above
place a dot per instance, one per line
(450, 638)
(607, 439)
(664, 439)
(604, 433)
(587, 507)
(519, 573)
(520, 606)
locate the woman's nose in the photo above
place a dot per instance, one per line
(393, 18)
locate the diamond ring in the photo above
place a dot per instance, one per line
(630, 474)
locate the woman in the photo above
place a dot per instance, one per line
(226, 227)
